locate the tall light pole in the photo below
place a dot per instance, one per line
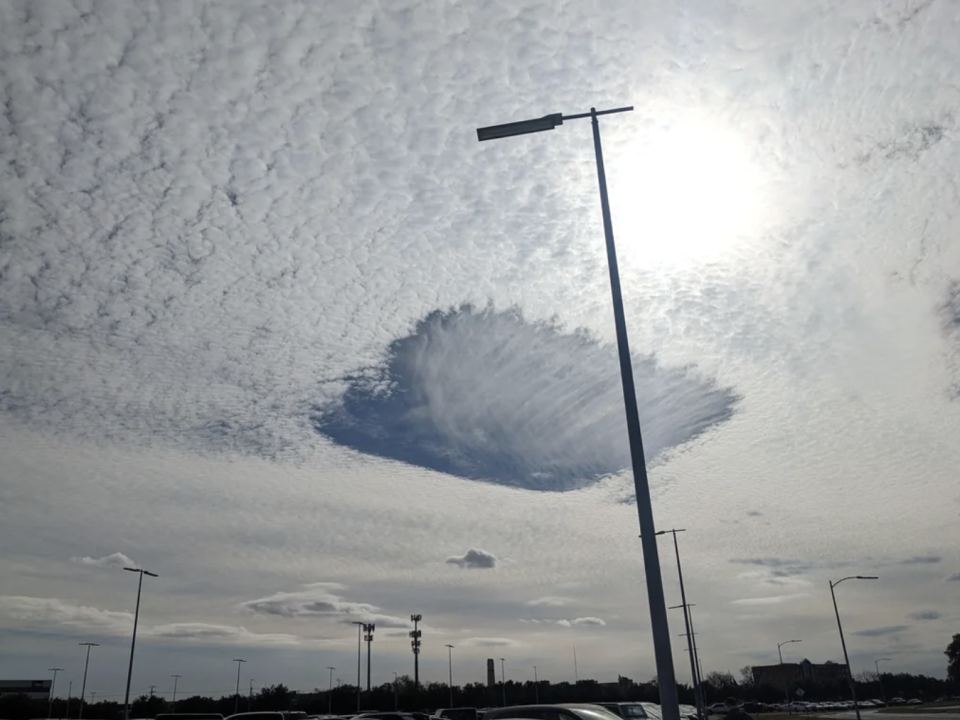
(783, 673)
(876, 664)
(133, 642)
(503, 680)
(330, 691)
(53, 685)
(176, 679)
(360, 625)
(450, 670)
(86, 664)
(368, 637)
(846, 658)
(651, 560)
(696, 653)
(536, 686)
(415, 635)
(236, 700)
(686, 618)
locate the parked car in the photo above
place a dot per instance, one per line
(634, 710)
(566, 711)
(189, 716)
(464, 713)
(718, 709)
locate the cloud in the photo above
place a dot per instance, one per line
(116, 560)
(491, 642)
(925, 615)
(321, 600)
(954, 578)
(922, 560)
(770, 599)
(549, 601)
(474, 559)
(880, 631)
(491, 396)
(582, 622)
(44, 612)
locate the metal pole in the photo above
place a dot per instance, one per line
(700, 692)
(846, 659)
(396, 699)
(536, 686)
(53, 686)
(176, 679)
(669, 701)
(236, 700)
(503, 680)
(86, 664)
(250, 697)
(686, 621)
(359, 631)
(69, 697)
(330, 692)
(450, 667)
(133, 642)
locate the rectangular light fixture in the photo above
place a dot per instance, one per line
(547, 122)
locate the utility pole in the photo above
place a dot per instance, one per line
(450, 666)
(415, 646)
(151, 691)
(236, 701)
(176, 678)
(53, 685)
(368, 636)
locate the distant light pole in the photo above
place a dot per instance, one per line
(846, 658)
(396, 698)
(53, 685)
(330, 691)
(651, 559)
(783, 672)
(450, 670)
(250, 697)
(236, 700)
(415, 635)
(86, 664)
(536, 686)
(503, 680)
(368, 637)
(69, 697)
(176, 679)
(360, 625)
(686, 618)
(133, 642)
(876, 664)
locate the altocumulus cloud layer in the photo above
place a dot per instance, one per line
(489, 396)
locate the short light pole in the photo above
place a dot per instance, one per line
(450, 671)
(876, 664)
(503, 680)
(133, 642)
(669, 700)
(846, 658)
(86, 664)
(176, 679)
(53, 686)
(783, 673)
(330, 691)
(360, 625)
(236, 700)
(536, 686)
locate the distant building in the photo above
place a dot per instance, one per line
(801, 673)
(33, 689)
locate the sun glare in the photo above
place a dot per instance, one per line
(692, 195)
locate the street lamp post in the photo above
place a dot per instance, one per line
(503, 680)
(86, 664)
(396, 698)
(360, 625)
(368, 637)
(236, 701)
(330, 691)
(536, 686)
(651, 560)
(783, 674)
(133, 642)
(415, 636)
(450, 670)
(846, 658)
(250, 697)
(686, 619)
(176, 679)
(53, 685)
(876, 664)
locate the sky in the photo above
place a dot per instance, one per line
(275, 326)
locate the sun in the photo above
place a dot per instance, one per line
(686, 194)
